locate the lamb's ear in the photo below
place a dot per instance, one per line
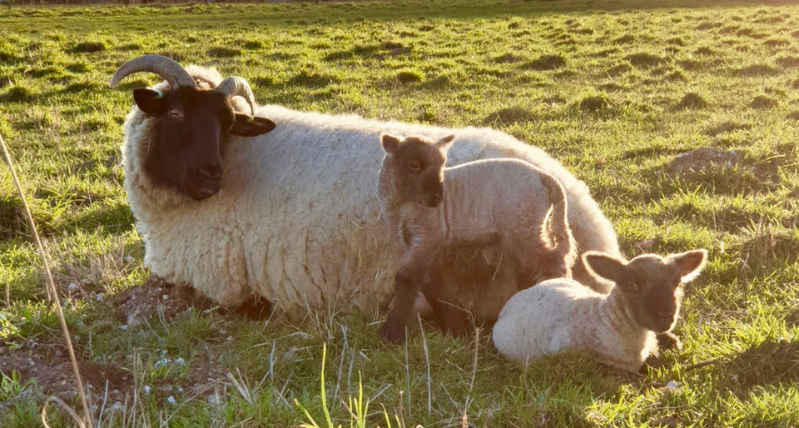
(690, 263)
(150, 101)
(445, 143)
(390, 143)
(250, 126)
(605, 266)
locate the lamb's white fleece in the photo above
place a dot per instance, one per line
(505, 200)
(561, 314)
(297, 220)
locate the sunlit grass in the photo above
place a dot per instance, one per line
(617, 91)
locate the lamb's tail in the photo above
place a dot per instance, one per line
(564, 246)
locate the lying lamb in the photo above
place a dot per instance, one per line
(500, 202)
(619, 328)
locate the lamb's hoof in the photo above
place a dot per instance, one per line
(422, 307)
(668, 340)
(392, 334)
(256, 308)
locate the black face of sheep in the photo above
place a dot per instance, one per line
(192, 135)
(418, 167)
(651, 284)
(193, 127)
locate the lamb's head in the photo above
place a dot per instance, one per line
(417, 165)
(193, 125)
(650, 285)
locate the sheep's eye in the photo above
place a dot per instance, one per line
(414, 165)
(175, 113)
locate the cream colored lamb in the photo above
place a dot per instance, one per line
(619, 328)
(500, 202)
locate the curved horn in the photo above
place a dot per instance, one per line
(168, 68)
(235, 85)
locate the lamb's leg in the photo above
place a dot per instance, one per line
(413, 270)
(452, 319)
(393, 329)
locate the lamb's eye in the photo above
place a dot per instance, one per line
(414, 165)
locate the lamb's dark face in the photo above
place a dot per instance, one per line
(418, 166)
(650, 284)
(192, 134)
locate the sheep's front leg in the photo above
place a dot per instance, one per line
(413, 273)
(668, 340)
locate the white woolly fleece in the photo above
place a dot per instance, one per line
(562, 314)
(297, 220)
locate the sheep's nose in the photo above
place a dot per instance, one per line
(210, 172)
(667, 315)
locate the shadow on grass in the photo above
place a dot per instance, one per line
(770, 363)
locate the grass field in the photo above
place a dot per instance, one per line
(622, 92)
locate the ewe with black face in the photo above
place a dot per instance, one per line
(292, 214)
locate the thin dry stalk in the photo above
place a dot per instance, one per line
(427, 359)
(465, 417)
(52, 294)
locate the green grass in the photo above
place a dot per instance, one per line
(615, 90)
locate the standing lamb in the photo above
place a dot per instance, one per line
(499, 202)
(619, 328)
(295, 217)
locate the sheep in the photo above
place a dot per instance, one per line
(503, 202)
(622, 328)
(295, 218)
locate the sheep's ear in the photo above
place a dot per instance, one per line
(445, 143)
(250, 126)
(150, 101)
(605, 266)
(690, 263)
(390, 143)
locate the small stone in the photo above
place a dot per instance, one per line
(72, 288)
(672, 387)
(213, 400)
(99, 297)
(129, 259)
(123, 327)
(147, 389)
(165, 297)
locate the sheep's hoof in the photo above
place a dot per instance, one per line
(392, 333)
(256, 308)
(668, 340)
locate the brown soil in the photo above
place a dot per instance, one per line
(702, 159)
(139, 304)
(49, 367)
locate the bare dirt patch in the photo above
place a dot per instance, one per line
(702, 159)
(49, 367)
(139, 304)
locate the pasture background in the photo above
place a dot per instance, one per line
(615, 90)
